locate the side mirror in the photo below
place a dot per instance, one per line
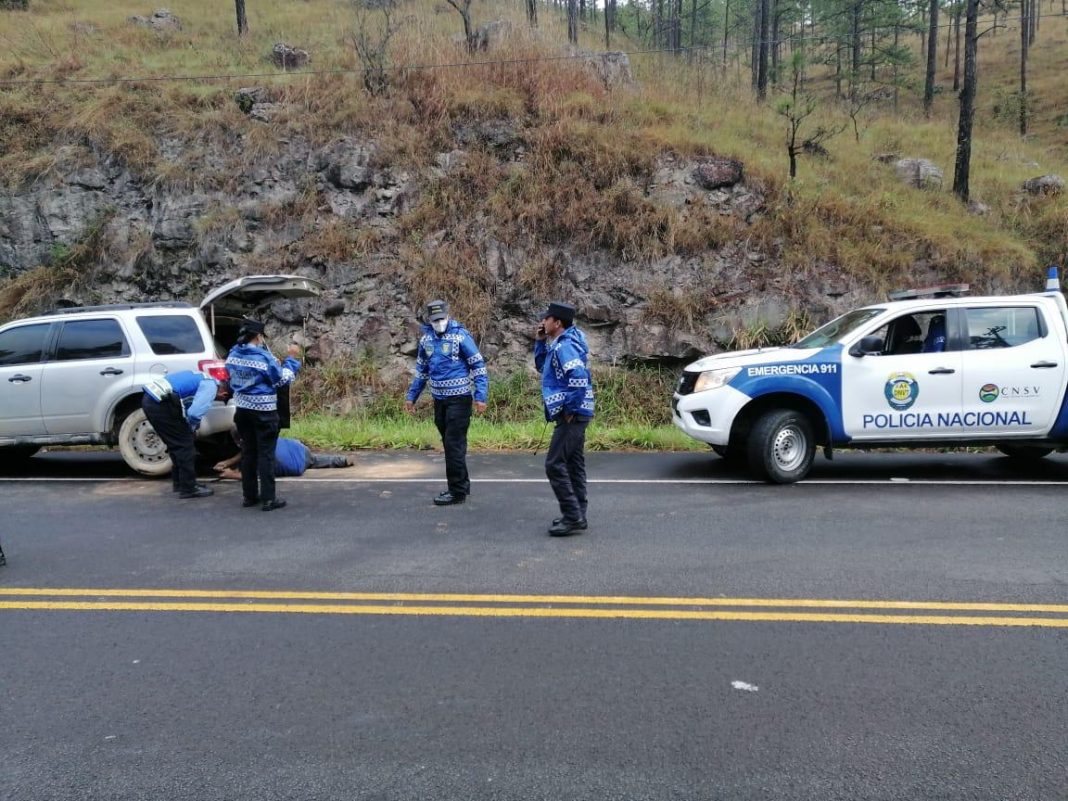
(868, 346)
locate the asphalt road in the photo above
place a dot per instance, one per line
(896, 628)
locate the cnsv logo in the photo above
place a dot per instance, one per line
(988, 393)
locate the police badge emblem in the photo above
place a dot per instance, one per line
(446, 347)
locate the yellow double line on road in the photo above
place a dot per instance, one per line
(791, 610)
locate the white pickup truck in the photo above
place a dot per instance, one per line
(930, 368)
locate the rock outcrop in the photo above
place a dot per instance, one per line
(920, 173)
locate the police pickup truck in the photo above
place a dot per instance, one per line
(929, 368)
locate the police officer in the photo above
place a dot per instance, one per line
(562, 356)
(255, 375)
(3, 559)
(175, 405)
(450, 361)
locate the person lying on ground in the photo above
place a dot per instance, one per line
(292, 458)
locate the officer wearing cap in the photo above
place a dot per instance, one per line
(255, 375)
(450, 362)
(562, 356)
(175, 405)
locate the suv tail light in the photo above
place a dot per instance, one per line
(214, 368)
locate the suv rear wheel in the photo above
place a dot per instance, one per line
(781, 446)
(141, 447)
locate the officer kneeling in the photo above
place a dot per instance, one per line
(164, 404)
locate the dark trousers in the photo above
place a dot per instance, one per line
(171, 426)
(565, 465)
(316, 461)
(259, 436)
(452, 416)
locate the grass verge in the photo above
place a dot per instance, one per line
(358, 432)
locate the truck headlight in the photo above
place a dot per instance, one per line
(714, 379)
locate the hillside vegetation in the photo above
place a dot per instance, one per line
(575, 181)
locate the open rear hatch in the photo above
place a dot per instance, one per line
(225, 307)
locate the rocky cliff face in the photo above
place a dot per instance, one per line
(339, 213)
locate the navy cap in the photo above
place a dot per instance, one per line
(564, 312)
(252, 326)
(437, 310)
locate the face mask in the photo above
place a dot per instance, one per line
(439, 326)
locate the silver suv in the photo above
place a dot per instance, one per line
(74, 376)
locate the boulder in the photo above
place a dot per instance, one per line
(717, 172)
(920, 173)
(289, 58)
(612, 67)
(161, 20)
(1044, 185)
(978, 208)
(249, 96)
(263, 112)
(489, 35)
(348, 166)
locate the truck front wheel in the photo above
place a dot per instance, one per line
(781, 446)
(1029, 452)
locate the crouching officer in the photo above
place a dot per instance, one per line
(165, 405)
(450, 361)
(562, 356)
(255, 375)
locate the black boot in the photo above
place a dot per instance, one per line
(448, 498)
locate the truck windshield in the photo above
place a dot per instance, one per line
(837, 328)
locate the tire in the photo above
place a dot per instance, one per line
(1028, 452)
(781, 446)
(140, 446)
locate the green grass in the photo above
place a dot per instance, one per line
(357, 432)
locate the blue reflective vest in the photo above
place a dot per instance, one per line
(255, 375)
(566, 384)
(451, 364)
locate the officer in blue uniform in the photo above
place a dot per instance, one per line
(175, 405)
(450, 362)
(255, 375)
(562, 356)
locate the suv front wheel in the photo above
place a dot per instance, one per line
(141, 447)
(781, 446)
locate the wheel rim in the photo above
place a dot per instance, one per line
(789, 448)
(147, 445)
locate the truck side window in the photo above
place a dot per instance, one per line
(92, 339)
(919, 332)
(23, 345)
(1002, 326)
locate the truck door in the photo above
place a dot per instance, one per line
(1014, 370)
(21, 350)
(912, 388)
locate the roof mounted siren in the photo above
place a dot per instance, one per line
(939, 291)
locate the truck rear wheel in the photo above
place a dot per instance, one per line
(1031, 452)
(140, 446)
(781, 446)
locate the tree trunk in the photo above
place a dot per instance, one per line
(758, 11)
(727, 28)
(838, 70)
(854, 74)
(572, 22)
(762, 67)
(242, 20)
(1026, 10)
(897, 83)
(658, 22)
(956, 47)
(949, 40)
(775, 14)
(932, 58)
(962, 163)
(532, 13)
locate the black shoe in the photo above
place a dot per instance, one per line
(247, 502)
(566, 528)
(199, 491)
(580, 524)
(449, 498)
(270, 506)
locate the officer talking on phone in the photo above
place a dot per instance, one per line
(562, 356)
(449, 360)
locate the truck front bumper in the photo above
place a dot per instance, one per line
(708, 416)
